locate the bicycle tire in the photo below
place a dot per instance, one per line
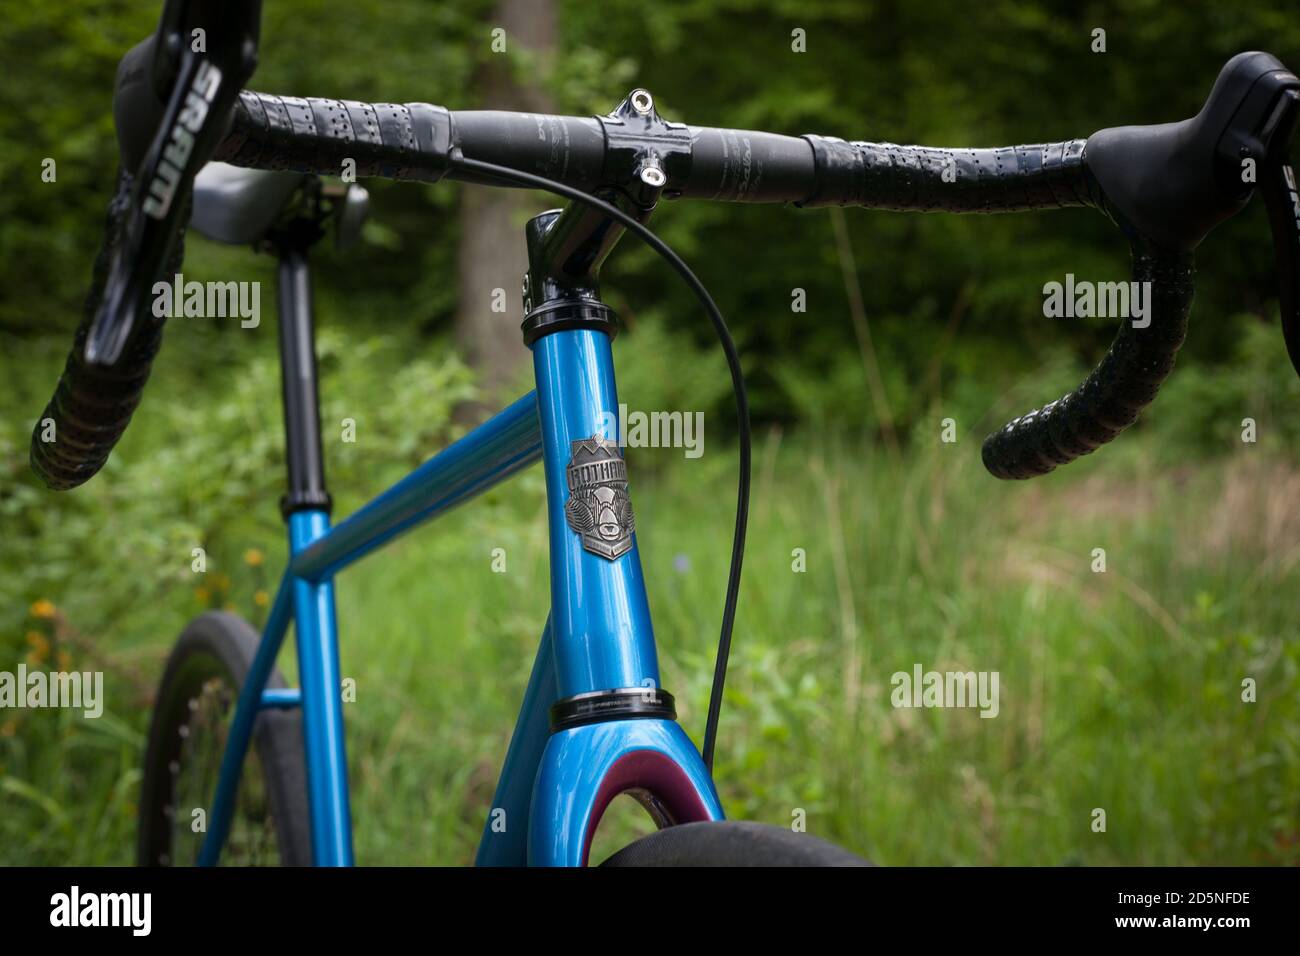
(732, 843)
(209, 664)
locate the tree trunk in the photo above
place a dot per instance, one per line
(492, 258)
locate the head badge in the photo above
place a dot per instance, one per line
(599, 509)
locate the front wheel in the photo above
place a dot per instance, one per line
(187, 738)
(731, 843)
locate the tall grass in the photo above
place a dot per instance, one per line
(1119, 690)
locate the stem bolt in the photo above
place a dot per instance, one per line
(652, 175)
(642, 101)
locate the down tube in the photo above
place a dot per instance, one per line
(505, 834)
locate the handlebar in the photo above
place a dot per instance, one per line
(416, 141)
(1165, 186)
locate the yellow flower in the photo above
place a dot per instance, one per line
(260, 599)
(38, 656)
(38, 643)
(253, 558)
(43, 609)
(201, 594)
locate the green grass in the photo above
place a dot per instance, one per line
(1119, 691)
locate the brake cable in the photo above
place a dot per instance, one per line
(738, 387)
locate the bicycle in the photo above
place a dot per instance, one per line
(594, 722)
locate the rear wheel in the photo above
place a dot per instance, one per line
(187, 738)
(732, 843)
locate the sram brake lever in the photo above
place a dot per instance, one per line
(203, 53)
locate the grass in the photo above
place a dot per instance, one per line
(1120, 691)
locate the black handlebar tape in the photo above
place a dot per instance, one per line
(92, 405)
(407, 141)
(412, 141)
(392, 140)
(926, 179)
(1123, 384)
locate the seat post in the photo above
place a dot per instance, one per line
(298, 376)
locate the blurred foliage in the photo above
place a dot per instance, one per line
(210, 449)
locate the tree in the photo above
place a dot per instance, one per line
(492, 259)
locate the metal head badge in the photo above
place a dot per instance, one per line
(599, 509)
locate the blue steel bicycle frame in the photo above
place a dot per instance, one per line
(554, 786)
